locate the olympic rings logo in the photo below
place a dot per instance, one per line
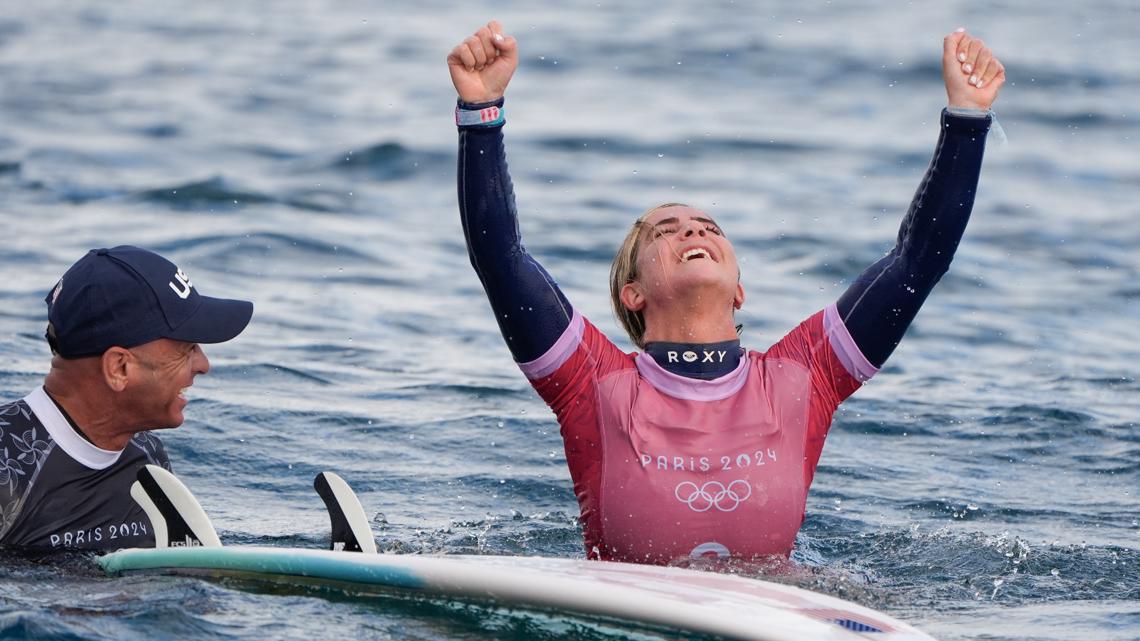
(713, 494)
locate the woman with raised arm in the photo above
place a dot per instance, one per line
(696, 446)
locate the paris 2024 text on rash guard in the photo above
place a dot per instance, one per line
(673, 458)
(58, 491)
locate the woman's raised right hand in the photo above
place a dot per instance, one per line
(482, 65)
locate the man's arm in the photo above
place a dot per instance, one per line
(879, 306)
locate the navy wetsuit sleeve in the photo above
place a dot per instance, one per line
(531, 310)
(879, 306)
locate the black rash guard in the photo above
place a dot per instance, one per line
(877, 308)
(58, 491)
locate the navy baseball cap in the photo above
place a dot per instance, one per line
(126, 296)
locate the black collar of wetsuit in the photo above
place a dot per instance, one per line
(705, 361)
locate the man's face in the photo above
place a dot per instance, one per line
(162, 371)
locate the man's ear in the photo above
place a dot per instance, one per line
(115, 362)
(738, 300)
(632, 298)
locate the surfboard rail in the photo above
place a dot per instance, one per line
(681, 599)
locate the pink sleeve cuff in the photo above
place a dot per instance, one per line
(558, 353)
(844, 346)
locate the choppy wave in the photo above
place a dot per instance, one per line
(389, 161)
(215, 191)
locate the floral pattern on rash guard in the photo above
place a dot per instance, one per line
(20, 454)
(153, 448)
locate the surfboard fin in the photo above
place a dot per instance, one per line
(176, 517)
(350, 529)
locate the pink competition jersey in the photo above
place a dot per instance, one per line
(666, 466)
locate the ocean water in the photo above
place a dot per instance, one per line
(301, 154)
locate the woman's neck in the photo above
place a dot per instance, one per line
(689, 323)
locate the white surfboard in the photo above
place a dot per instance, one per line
(641, 596)
(681, 600)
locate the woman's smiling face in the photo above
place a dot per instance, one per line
(684, 249)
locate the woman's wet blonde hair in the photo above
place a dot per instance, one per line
(624, 271)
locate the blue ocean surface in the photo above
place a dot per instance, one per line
(302, 155)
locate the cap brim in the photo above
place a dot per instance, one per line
(216, 320)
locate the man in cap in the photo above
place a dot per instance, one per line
(124, 326)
